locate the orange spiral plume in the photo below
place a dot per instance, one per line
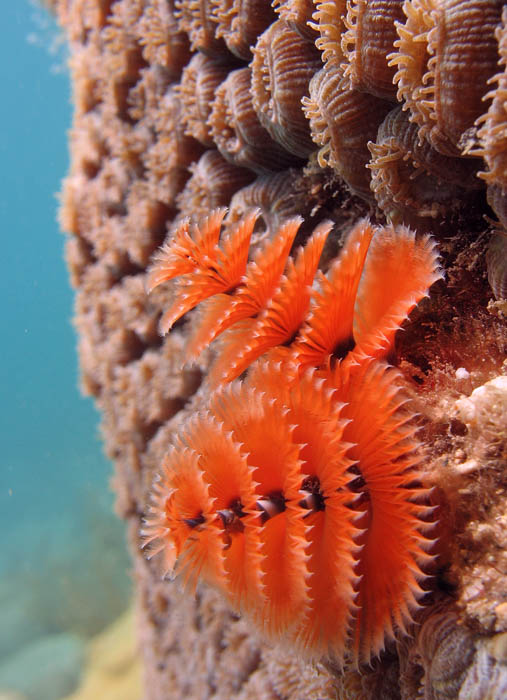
(368, 292)
(300, 503)
(297, 491)
(203, 267)
(262, 277)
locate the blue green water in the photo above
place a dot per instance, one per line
(59, 539)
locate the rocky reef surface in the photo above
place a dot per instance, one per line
(328, 110)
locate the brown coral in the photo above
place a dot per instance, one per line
(298, 15)
(123, 56)
(411, 60)
(212, 183)
(329, 19)
(239, 23)
(132, 177)
(169, 159)
(147, 217)
(278, 197)
(342, 121)
(445, 55)
(85, 66)
(497, 200)
(237, 131)
(282, 67)
(449, 659)
(493, 132)
(82, 16)
(164, 45)
(496, 259)
(199, 81)
(410, 179)
(198, 21)
(367, 42)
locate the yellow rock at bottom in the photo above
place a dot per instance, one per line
(113, 670)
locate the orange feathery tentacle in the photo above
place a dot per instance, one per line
(385, 452)
(328, 330)
(156, 534)
(283, 545)
(262, 426)
(399, 270)
(189, 291)
(264, 271)
(204, 268)
(261, 279)
(297, 492)
(332, 533)
(231, 485)
(283, 316)
(315, 413)
(233, 255)
(274, 377)
(213, 318)
(173, 258)
(183, 254)
(187, 512)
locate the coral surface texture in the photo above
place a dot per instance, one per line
(287, 232)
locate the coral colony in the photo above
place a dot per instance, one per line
(280, 178)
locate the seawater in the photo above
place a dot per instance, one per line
(63, 561)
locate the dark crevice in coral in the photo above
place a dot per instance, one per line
(115, 209)
(133, 65)
(90, 168)
(133, 347)
(124, 268)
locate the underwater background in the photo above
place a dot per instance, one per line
(64, 571)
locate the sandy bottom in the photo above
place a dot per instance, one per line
(113, 669)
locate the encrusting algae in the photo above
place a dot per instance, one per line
(310, 421)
